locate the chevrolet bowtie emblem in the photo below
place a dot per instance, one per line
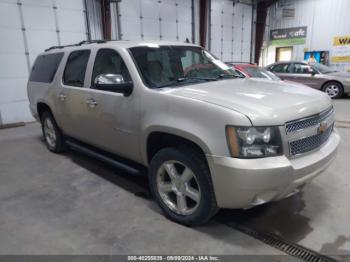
(322, 128)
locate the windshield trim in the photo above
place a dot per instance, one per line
(138, 68)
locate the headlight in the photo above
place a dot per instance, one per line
(254, 142)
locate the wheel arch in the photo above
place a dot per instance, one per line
(332, 81)
(42, 107)
(158, 139)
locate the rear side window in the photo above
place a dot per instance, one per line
(280, 68)
(45, 67)
(74, 73)
(301, 69)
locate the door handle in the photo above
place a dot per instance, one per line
(62, 97)
(91, 103)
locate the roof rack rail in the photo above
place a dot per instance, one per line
(85, 42)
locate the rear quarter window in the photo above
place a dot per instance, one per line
(45, 68)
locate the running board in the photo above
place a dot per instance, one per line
(87, 151)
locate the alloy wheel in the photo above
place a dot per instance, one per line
(50, 134)
(178, 187)
(332, 90)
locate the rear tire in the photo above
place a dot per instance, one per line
(181, 184)
(54, 139)
(333, 89)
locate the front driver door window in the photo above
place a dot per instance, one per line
(109, 61)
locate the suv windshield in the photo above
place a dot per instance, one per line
(322, 68)
(164, 66)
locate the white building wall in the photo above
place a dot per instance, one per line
(156, 20)
(231, 30)
(94, 19)
(324, 19)
(27, 27)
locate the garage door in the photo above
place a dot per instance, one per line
(27, 27)
(155, 20)
(230, 30)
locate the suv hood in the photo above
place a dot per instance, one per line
(264, 102)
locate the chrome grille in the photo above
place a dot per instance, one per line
(296, 125)
(309, 133)
(309, 143)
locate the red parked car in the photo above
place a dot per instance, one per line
(252, 70)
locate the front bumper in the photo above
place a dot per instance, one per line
(243, 183)
(346, 87)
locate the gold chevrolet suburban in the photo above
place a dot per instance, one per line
(208, 138)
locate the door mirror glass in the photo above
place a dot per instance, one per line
(113, 83)
(109, 79)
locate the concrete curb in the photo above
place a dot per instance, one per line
(12, 125)
(342, 123)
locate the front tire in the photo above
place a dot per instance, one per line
(333, 89)
(53, 136)
(181, 184)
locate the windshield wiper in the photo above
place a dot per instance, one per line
(224, 76)
(185, 79)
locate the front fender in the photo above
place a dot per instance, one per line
(201, 122)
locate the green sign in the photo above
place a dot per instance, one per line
(291, 41)
(288, 36)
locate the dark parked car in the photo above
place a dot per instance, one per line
(317, 76)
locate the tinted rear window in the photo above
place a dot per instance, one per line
(74, 73)
(45, 68)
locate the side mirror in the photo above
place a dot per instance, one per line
(113, 83)
(312, 71)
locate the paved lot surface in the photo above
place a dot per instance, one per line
(72, 204)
